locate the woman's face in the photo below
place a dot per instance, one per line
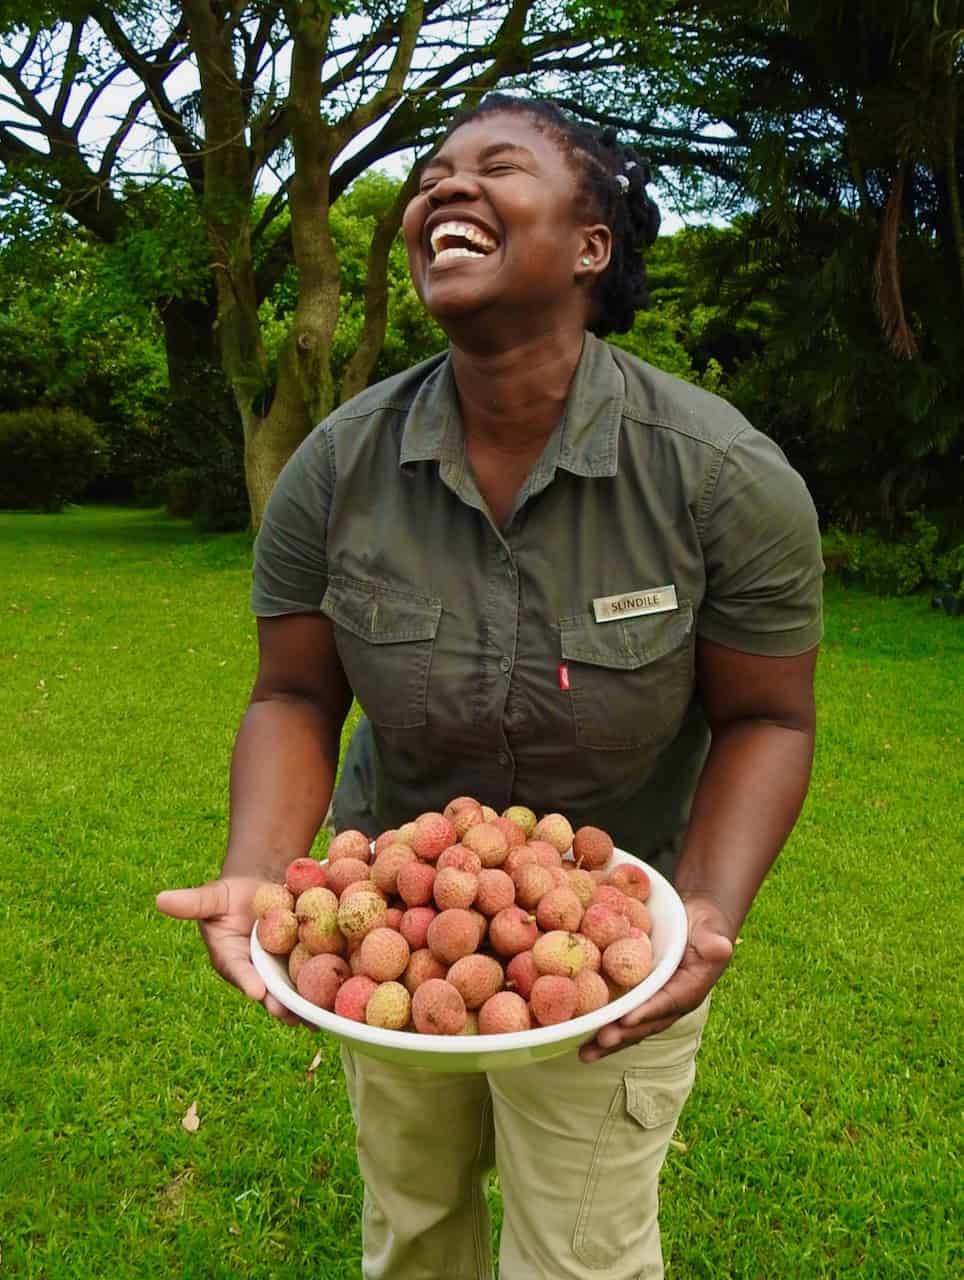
(495, 226)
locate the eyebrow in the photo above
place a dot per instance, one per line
(493, 149)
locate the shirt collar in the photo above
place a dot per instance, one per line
(586, 441)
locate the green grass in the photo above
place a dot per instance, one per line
(823, 1135)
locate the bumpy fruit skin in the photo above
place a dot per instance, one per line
(454, 888)
(591, 992)
(462, 859)
(422, 966)
(304, 873)
(532, 883)
(390, 1006)
(495, 891)
(314, 903)
(553, 999)
(415, 881)
(544, 853)
(503, 1013)
(465, 819)
(559, 909)
(512, 930)
(393, 918)
(350, 844)
(471, 1027)
(278, 931)
(522, 817)
(604, 924)
(581, 883)
(359, 914)
(353, 996)
(387, 865)
(414, 926)
(344, 871)
(384, 840)
(637, 913)
(364, 886)
(559, 953)
(488, 842)
(593, 953)
(515, 837)
(452, 935)
(270, 895)
(432, 834)
(632, 880)
(521, 973)
(438, 1009)
(555, 830)
(405, 833)
(319, 982)
(322, 936)
(299, 955)
(592, 848)
(460, 803)
(384, 955)
(476, 978)
(628, 961)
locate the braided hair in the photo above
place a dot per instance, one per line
(613, 180)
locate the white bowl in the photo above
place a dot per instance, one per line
(494, 1053)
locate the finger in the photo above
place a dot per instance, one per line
(199, 903)
(664, 1004)
(235, 967)
(611, 1040)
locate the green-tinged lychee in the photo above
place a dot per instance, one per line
(384, 955)
(453, 933)
(512, 930)
(471, 1027)
(319, 982)
(559, 953)
(432, 834)
(350, 844)
(390, 1006)
(581, 883)
(522, 817)
(559, 909)
(476, 978)
(353, 997)
(604, 924)
(270, 895)
(277, 931)
(415, 881)
(385, 868)
(454, 888)
(553, 999)
(405, 833)
(504, 1013)
(359, 914)
(304, 873)
(462, 859)
(314, 903)
(632, 879)
(296, 959)
(592, 848)
(495, 891)
(628, 960)
(591, 992)
(488, 842)
(438, 1009)
(593, 953)
(322, 936)
(422, 966)
(414, 924)
(521, 973)
(343, 872)
(555, 830)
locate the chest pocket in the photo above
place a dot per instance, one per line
(630, 681)
(385, 640)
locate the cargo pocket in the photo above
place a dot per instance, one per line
(630, 681)
(619, 1204)
(384, 639)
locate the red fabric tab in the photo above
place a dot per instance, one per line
(563, 676)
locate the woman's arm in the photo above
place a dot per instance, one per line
(761, 714)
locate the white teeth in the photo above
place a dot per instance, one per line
(463, 231)
(457, 252)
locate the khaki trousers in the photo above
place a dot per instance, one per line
(578, 1148)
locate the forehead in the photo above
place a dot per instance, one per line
(503, 132)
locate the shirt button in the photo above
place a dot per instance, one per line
(505, 664)
(503, 758)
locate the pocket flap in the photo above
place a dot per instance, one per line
(628, 643)
(379, 614)
(655, 1102)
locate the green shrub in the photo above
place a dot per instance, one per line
(895, 566)
(212, 495)
(47, 457)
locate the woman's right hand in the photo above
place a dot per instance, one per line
(225, 914)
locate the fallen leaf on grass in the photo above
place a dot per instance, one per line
(234, 1231)
(314, 1064)
(189, 1120)
(678, 1146)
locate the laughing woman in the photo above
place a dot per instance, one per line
(443, 547)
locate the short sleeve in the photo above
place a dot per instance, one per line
(290, 552)
(761, 549)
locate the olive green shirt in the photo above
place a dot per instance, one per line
(550, 662)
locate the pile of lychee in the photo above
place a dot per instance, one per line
(462, 922)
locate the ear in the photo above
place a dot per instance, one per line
(596, 246)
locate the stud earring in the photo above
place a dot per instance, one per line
(586, 262)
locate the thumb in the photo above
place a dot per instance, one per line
(200, 903)
(711, 944)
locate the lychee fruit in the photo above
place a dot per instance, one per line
(555, 830)
(559, 909)
(628, 960)
(385, 839)
(296, 959)
(471, 1027)
(393, 918)
(476, 978)
(350, 844)
(604, 924)
(521, 973)
(321, 935)
(503, 1013)
(344, 871)
(304, 873)
(532, 883)
(591, 992)
(422, 966)
(319, 982)
(438, 1009)
(515, 837)
(384, 955)
(364, 886)
(270, 895)
(353, 996)
(593, 953)
(277, 931)
(431, 835)
(385, 868)
(546, 854)
(390, 1006)
(591, 848)
(359, 914)
(405, 833)
(454, 889)
(415, 881)
(414, 926)
(637, 913)
(462, 859)
(523, 818)
(466, 818)
(633, 880)
(495, 891)
(488, 842)
(553, 999)
(453, 933)
(512, 930)
(314, 903)
(559, 953)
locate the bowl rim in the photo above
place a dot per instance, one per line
(417, 1043)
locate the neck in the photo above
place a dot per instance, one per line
(512, 400)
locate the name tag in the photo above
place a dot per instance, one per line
(633, 603)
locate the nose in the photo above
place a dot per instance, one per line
(455, 186)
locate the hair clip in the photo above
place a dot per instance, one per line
(622, 182)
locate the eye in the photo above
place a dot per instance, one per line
(496, 169)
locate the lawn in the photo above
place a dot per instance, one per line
(823, 1137)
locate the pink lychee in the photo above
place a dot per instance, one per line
(438, 1009)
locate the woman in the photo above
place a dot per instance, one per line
(552, 576)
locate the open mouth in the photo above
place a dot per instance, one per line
(460, 240)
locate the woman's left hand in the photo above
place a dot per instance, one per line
(707, 954)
